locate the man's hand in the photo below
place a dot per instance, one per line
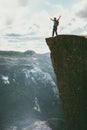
(51, 19)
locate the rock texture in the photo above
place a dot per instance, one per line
(69, 59)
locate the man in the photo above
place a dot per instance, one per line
(55, 25)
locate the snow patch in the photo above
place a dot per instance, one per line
(12, 128)
(5, 79)
(38, 125)
(36, 107)
(40, 75)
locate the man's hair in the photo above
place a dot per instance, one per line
(54, 18)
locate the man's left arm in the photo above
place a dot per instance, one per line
(59, 18)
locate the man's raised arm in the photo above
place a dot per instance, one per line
(59, 17)
(51, 19)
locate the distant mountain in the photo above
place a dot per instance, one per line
(28, 91)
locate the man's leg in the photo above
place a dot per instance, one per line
(56, 31)
(53, 32)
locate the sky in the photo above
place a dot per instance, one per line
(31, 18)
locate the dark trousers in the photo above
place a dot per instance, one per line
(54, 30)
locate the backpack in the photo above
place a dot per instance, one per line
(57, 22)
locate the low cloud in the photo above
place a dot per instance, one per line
(82, 13)
(34, 29)
(23, 2)
(81, 9)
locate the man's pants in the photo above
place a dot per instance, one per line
(54, 31)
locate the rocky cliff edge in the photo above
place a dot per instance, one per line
(69, 60)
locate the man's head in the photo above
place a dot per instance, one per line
(54, 18)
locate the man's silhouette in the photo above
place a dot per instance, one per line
(55, 25)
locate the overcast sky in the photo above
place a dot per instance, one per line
(32, 17)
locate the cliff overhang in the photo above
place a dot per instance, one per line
(69, 60)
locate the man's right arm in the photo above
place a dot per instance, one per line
(51, 19)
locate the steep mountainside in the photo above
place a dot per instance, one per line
(69, 59)
(29, 98)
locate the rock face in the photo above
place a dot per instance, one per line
(69, 59)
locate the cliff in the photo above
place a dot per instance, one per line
(69, 59)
